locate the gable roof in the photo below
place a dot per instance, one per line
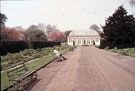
(90, 32)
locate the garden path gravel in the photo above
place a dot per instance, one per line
(88, 69)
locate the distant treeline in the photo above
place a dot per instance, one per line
(15, 46)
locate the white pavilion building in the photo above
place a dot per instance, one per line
(84, 37)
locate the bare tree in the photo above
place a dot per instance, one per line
(95, 27)
(42, 27)
(19, 28)
(132, 3)
(50, 29)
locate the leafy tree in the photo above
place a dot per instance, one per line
(10, 34)
(1, 32)
(33, 33)
(3, 19)
(119, 30)
(66, 36)
(56, 36)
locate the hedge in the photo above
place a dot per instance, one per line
(41, 44)
(15, 46)
(12, 46)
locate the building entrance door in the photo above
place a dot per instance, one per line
(93, 42)
(84, 42)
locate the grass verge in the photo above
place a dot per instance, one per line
(127, 51)
(34, 65)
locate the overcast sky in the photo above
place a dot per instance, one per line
(65, 14)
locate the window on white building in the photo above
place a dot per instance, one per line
(88, 41)
(97, 40)
(79, 41)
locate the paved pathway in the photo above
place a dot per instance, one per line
(88, 69)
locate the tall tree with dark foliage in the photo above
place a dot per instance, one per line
(119, 30)
(3, 19)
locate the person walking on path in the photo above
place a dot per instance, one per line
(58, 54)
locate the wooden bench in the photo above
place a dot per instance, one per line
(18, 74)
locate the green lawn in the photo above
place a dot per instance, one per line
(34, 65)
(127, 51)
